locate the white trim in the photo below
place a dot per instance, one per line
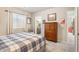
(76, 29)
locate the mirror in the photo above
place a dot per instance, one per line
(38, 24)
(71, 22)
(71, 29)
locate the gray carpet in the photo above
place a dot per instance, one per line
(58, 47)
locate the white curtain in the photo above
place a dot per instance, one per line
(16, 23)
(19, 23)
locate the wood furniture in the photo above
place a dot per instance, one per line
(51, 31)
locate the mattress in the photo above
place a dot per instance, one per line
(21, 42)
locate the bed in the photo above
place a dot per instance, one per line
(22, 42)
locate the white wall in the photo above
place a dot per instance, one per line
(3, 20)
(60, 13)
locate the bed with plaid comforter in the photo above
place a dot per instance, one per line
(21, 42)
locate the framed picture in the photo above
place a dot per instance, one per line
(29, 20)
(52, 17)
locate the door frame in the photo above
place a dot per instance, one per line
(76, 28)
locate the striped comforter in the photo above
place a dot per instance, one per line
(21, 42)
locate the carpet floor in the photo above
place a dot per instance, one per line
(58, 47)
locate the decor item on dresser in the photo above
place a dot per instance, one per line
(51, 31)
(52, 17)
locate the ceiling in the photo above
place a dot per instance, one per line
(36, 9)
(33, 9)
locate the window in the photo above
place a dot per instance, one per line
(19, 21)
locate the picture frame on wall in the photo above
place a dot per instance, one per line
(29, 20)
(52, 17)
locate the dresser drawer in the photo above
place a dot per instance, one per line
(52, 37)
(51, 31)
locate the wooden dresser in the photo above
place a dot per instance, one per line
(51, 31)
